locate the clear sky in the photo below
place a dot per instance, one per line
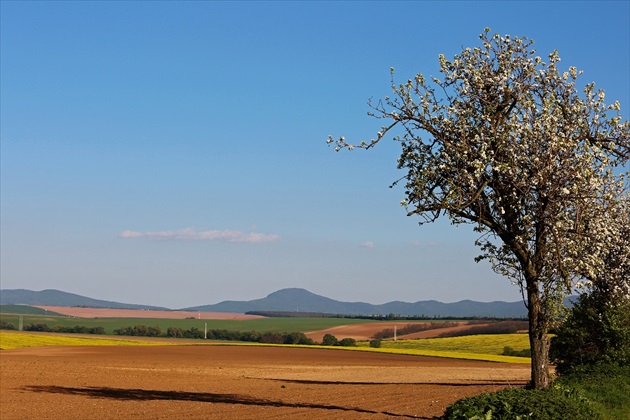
(174, 153)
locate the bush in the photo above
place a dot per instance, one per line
(348, 342)
(375, 343)
(228, 335)
(251, 336)
(140, 331)
(272, 338)
(6, 326)
(97, 330)
(231, 335)
(330, 340)
(174, 332)
(518, 403)
(37, 327)
(193, 332)
(597, 329)
(297, 338)
(78, 329)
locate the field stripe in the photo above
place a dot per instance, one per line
(16, 340)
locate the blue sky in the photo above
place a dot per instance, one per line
(174, 153)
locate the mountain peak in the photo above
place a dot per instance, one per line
(291, 292)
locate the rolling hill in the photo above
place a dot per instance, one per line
(51, 297)
(300, 300)
(286, 300)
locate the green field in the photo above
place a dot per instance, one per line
(25, 309)
(261, 325)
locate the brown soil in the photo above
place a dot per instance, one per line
(237, 382)
(369, 329)
(81, 312)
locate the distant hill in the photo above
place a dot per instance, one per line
(286, 300)
(58, 298)
(300, 300)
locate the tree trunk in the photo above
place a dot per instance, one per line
(539, 343)
(538, 338)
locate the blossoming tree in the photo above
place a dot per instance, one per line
(597, 328)
(506, 142)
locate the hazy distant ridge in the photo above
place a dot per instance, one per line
(51, 297)
(286, 300)
(300, 300)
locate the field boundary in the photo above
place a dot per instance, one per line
(16, 340)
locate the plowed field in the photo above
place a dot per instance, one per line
(237, 382)
(367, 330)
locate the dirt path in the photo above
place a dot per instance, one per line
(236, 382)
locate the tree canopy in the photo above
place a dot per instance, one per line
(505, 141)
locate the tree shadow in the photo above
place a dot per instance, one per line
(478, 382)
(125, 394)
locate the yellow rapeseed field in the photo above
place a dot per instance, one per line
(476, 347)
(452, 355)
(482, 344)
(15, 340)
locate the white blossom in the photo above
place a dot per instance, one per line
(515, 149)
